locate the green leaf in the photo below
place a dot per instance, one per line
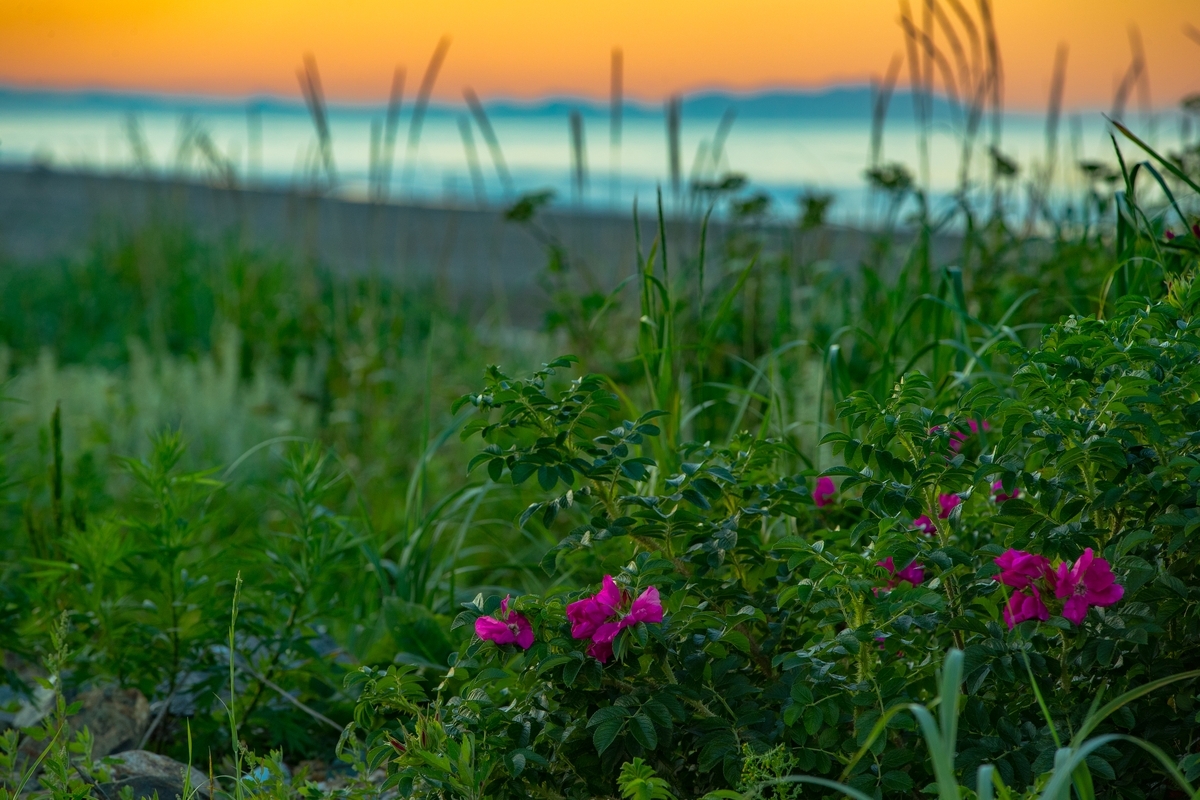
(813, 717)
(896, 781)
(522, 470)
(606, 733)
(496, 469)
(643, 731)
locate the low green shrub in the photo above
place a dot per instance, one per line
(756, 620)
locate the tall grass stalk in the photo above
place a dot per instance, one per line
(239, 792)
(941, 733)
(415, 123)
(490, 138)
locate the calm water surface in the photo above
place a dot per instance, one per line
(276, 145)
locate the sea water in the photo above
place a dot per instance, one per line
(784, 157)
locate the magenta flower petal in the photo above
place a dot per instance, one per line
(524, 632)
(1001, 495)
(1107, 596)
(493, 630)
(511, 628)
(1075, 609)
(647, 607)
(948, 502)
(925, 525)
(585, 616)
(1021, 607)
(598, 617)
(1019, 569)
(607, 632)
(914, 573)
(958, 438)
(601, 651)
(609, 596)
(824, 492)
(589, 613)
(1089, 582)
(1061, 581)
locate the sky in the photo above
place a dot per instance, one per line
(528, 49)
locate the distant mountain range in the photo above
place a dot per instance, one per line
(843, 102)
(840, 103)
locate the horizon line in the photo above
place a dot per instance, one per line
(585, 101)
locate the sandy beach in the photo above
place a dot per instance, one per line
(471, 254)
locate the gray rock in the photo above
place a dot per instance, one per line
(144, 787)
(26, 711)
(148, 773)
(116, 718)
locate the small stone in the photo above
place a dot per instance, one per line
(146, 773)
(115, 717)
(144, 787)
(27, 711)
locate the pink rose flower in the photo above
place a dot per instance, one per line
(925, 525)
(1001, 496)
(1090, 582)
(1023, 606)
(824, 492)
(510, 628)
(948, 502)
(598, 618)
(646, 608)
(913, 574)
(1019, 569)
(588, 614)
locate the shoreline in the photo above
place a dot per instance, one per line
(471, 254)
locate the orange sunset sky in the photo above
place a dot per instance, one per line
(524, 49)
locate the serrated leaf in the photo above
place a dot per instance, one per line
(606, 733)
(643, 731)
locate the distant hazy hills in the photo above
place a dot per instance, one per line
(843, 103)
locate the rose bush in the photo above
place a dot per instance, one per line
(1046, 527)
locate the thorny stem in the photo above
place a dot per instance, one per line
(955, 611)
(704, 710)
(756, 652)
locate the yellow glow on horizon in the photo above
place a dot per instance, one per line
(531, 48)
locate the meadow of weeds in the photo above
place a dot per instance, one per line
(738, 533)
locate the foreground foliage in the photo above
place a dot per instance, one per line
(736, 555)
(787, 624)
